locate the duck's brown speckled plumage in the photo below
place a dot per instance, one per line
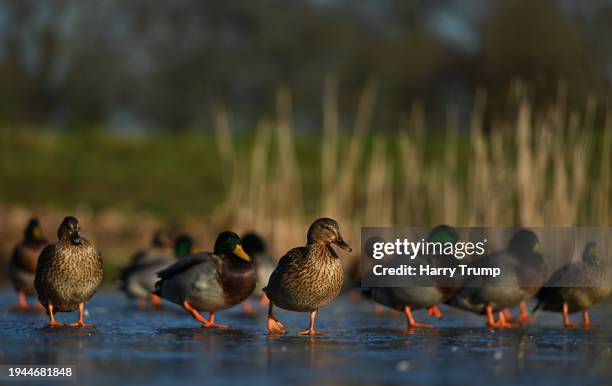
(22, 267)
(306, 278)
(68, 274)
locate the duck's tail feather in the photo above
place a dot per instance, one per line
(158, 287)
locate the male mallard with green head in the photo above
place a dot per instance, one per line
(568, 300)
(138, 279)
(424, 294)
(185, 245)
(524, 271)
(307, 278)
(68, 273)
(24, 259)
(209, 281)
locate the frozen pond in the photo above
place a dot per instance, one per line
(167, 347)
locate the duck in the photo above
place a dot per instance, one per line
(138, 279)
(185, 245)
(567, 300)
(209, 281)
(424, 294)
(69, 272)
(309, 277)
(524, 271)
(256, 247)
(24, 259)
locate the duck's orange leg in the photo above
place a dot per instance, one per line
(434, 312)
(586, 320)
(264, 300)
(567, 323)
(247, 308)
(311, 330)
(52, 321)
(156, 300)
(503, 323)
(378, 309)
(81, 321)
(210, 323)
(196, 315)
(524, 316)
(274, 326)
(22, 303)
(411, 323)
(490, 319)
(507, 314)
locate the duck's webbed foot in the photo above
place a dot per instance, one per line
(311, 330)
(274, 326)
(81, 321)
(434, 312)
(503, 322)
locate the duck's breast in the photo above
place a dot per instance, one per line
(308, 283)
(71, 276)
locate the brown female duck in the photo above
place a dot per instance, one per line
(307, 278)
(68, 273)
(22, 267)
(568, 299)
(209, 281)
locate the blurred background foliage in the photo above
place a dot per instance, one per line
(161, 65)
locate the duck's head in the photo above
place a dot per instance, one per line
(443, 234)
(184, 245)
(524, 241)
(590, 255)
(161, 239)
(228, 244)
(253, 244)
(326, 231)
(33, 231)
(69, 230)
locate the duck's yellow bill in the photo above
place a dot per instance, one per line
(238, 251)
(537, 248)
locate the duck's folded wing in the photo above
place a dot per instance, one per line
(184, 264)
(287, 266)
(22, 258)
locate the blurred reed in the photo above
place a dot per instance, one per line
(549, 168)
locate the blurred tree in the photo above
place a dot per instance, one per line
(159, 64)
